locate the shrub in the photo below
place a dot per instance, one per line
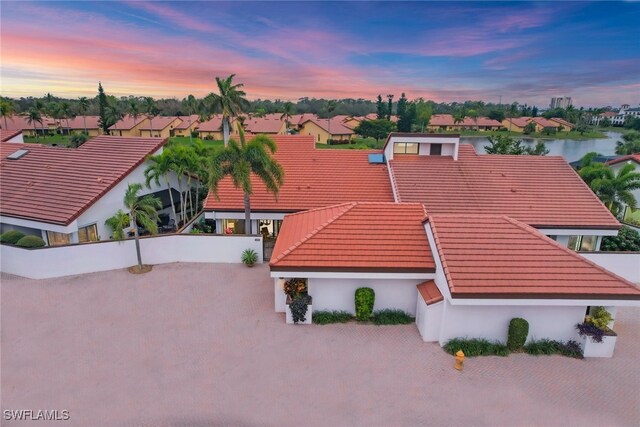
(365, 298)
(476, 347)
(391, 317)
(518, 331)
(249, 257)
(599, 318)
(627, 240)
(77, 139)
(589, 330)
(546, 347)
(298, 307)
(326, 317)
(11, 237)
(30, 242)
(295, 287)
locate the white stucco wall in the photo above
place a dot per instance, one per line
(57, 261)
(449, 144)
(492, 322)
(338, 294)
(429, 319)
(624, 264)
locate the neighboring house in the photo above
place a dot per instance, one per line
(541, 191)
(595, 120)
(129, 126)
(446, 122)
(159, 127)
(542, 123)
(211, 129)
(616, 164)
(324, 130)
(65, 195)
(460, 275)
(78, 123)
(516, 124)
(21, 123)
(564, 125)
(313, 178)
(271, 124)
(188, 125)
(11, 136)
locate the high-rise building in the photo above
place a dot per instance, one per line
(560, 102)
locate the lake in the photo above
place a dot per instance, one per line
(570, 149)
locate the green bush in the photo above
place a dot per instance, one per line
(11, 237)
(249, 257)
(476, 347)
(547, 347)
(599, 318)
(627, 240)
(30, 242)
(326, 317)
(365, 298)
(518, 331)
(391, 317)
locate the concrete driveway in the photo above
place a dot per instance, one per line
(200, 345)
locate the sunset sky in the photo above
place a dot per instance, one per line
(444, 51)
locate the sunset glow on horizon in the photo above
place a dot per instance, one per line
(525, 52)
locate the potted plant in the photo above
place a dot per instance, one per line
(598, 339)
(249, 257)
(299, 309)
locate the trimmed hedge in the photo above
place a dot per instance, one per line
(547, 347)
(11, 237)
(30, 242)
(391, 317)
(365, 298)
(518, 331)
(326, 317)
(476, 347)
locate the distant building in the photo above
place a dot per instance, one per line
(560, 102)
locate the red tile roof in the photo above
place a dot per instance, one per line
(334, 126)
(78, 122)
(214, 124)
(159, 122)
(354, 237)
(128, 122)
(519, 121)
(499, 257)
(298, 119)
(448, 120)
(6, 135)
(630, 157)
(55, 185)
(543, 191)
(258, 125)
(185, 121)
(21, 123)
(312, 179)
(545, 123)
(563, 122)
(429, 292)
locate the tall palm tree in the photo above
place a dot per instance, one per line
(191, 104)
(66, 113)
(240, 161)
(118, 222)
(114, 114)
(230, 101)
(133, 108)
(615, 189)
(142, 210)
(83, 106)
(34, 117)
(287, 111)
(160, 168)
(39, 106)
(474, 115)
(7, 110)
(150, 109)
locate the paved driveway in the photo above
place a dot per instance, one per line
(199, 345)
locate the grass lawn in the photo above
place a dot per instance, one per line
(560, 135)
(62, 140)
(356, 144)
(618, 129)
(184, 140)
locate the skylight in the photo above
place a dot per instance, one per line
(17, 154)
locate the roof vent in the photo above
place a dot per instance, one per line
(376, 158)
(17, 154)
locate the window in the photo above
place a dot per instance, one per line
(583, 243)
(56, 239)
(233, 226)
(435, 150)
(88, 234)
(405, 148)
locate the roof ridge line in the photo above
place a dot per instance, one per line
(547, 239)
(315, 231)
(445, 267)
(321, 208)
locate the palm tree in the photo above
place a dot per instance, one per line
(150, 109)
(615, 189)
(287, 111)
(143, 210)
(7, 110)
(240, 161)
(474, 115)
(34, 117)
(39, 106)
(630, 143)
(230, 101)
(191, 103)
(133, 108)
(160, 167)
(114, 114)
(66, 113)
(83, 106)
(118, 223)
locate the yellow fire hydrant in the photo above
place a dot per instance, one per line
(459, 360)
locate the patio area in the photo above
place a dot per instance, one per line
(200, 345)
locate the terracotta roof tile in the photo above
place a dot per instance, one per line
(55, 185)
(630, 157)
(21, 123)
(128, 122)
(78, 122)
(543, 191)
(498, 257)
(159, 122)
(355, 236)
(312, 179)
(334, 126)
(429, 292)
(214, 124)
(185, 121)
(258, 125)
(448, 120)
(6, 135)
